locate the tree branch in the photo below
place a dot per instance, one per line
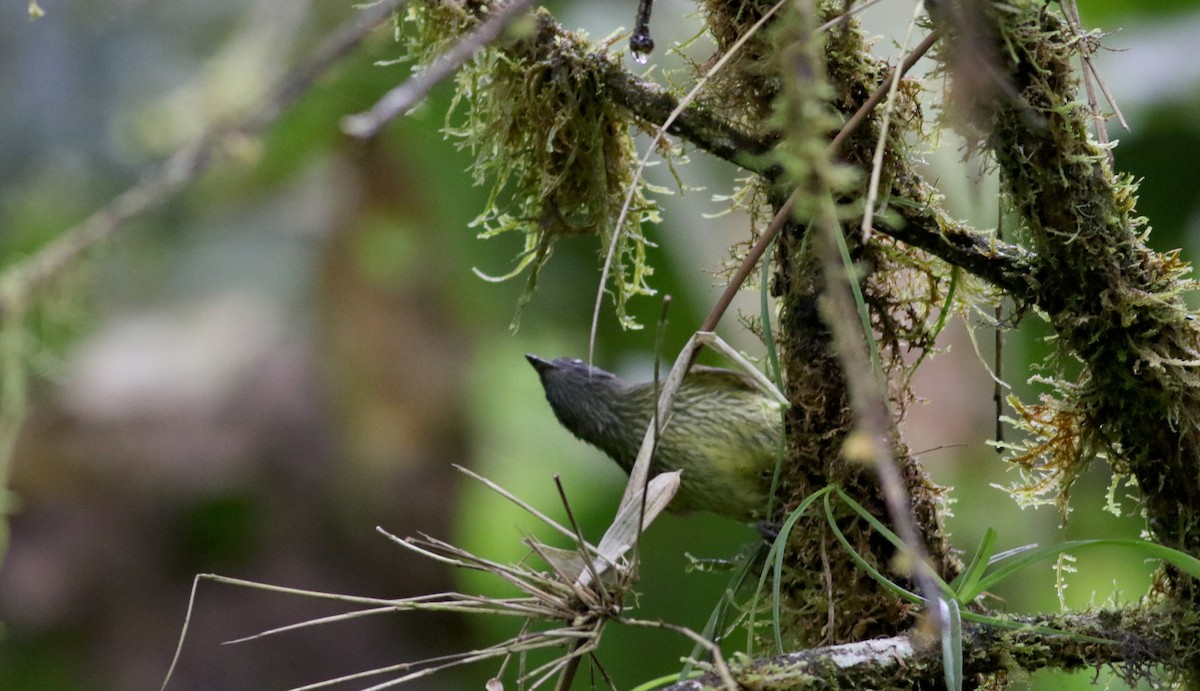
(32, 275)
(1109, 637)
(1114, 302)
(926, 224)
(407, 95)
(706, 130)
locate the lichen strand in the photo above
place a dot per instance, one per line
(556, 152)
(1115, 303)
(901, 293)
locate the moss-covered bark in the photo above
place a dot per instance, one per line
(828, 598)
(1115, 303)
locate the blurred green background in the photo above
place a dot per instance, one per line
(295, 350)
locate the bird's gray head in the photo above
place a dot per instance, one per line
(587, 400)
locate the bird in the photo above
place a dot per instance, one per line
(723, 432)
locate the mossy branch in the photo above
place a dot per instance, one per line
(697, 125)
(926, 224)
(908, 662)
(1116, 304)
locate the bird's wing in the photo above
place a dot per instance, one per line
(719, 378)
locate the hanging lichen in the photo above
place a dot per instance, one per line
(556, 152)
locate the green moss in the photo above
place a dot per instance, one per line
(1116, 305)
(829, 76)
(555, 150)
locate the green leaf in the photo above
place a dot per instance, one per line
(1026, 556)
(774, 563)
(895, 540)
(874, 573)
(968, 580)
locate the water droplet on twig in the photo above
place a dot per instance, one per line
(641, 45)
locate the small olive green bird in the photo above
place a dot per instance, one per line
(723, 432)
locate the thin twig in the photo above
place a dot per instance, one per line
(402, 98)
(881, 91)
(881, 141)
(718, 659)
(653, 146)
(186, 164)
(542, 639)
(514, 499)
(569, 665)
(580, 541)
(598, 666)
(187, 622)
(784, 214)
(998, 347)
(1071, 11)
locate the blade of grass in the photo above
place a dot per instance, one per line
(894, 539)
(970, 576)
(860, 303)
(775, 557)
(941, 323)
(1184, 562)
(776, 372)
(952, 644)
(716, 620)
(874, 573)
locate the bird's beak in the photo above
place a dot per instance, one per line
(539, 364)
